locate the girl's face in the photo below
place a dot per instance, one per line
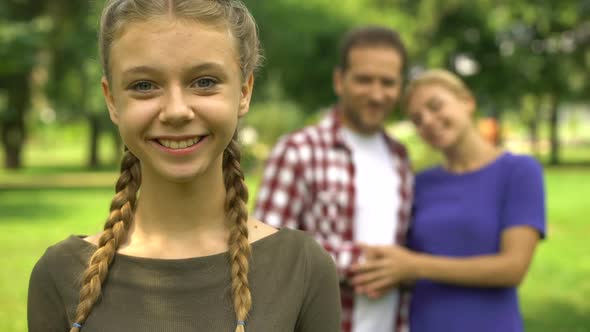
(176, 93)
(441, 117)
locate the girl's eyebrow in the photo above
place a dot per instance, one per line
(151, 70)
(140, 70)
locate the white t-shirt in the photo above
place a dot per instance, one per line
(375, 222)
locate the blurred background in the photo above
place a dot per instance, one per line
(528, 63)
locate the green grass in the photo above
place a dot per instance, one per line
(31, 220)
(556, 292)
(39, 206)
(554, 295)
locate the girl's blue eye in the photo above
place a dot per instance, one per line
(205, 83)
(142, 86)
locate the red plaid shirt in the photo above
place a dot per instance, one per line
(308, 184)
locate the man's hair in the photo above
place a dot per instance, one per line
(371, 36)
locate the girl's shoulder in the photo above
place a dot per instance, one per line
(291, 245)
(288, 240)
(63, 260)
(74, 247)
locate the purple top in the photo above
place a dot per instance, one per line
(462, 215)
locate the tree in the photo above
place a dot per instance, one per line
(22, 31)
(75, 71)
(301, 44)
(513, 49)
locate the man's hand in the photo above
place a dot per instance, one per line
(384, 268)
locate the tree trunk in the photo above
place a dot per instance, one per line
(12, 141)
(533, 126)
(12, 126)
(534, 137)
(94, 121)
(94, 124)
(554, 131)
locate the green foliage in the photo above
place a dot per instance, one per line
(75, 71)
(301, 43)
(23, 31)
(522, 47)
(19, 44)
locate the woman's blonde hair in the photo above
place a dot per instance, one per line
(230, 14)
(441, 77)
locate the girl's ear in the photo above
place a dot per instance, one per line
(246, 95)
(108, 97)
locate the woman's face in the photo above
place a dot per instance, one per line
(441, 117)
(176, 93)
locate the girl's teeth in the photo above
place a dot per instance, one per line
(179, 144)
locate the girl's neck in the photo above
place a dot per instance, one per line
(174, 220)
(471, 153)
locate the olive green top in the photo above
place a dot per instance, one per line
(293, 282)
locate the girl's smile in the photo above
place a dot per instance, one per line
(179, 145)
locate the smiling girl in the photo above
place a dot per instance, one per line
(178, 251)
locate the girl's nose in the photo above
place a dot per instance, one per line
(176, 110)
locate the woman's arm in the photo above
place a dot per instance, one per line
(505, 269)
(393, 264)
(523, 223)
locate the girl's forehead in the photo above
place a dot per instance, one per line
(168, 30)
(172, 43)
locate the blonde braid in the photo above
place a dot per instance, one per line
(239, 247)
(114, 233)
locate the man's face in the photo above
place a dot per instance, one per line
(369, 87)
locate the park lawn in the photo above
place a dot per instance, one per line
(554, 295)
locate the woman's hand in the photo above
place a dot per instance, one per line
(383, 268)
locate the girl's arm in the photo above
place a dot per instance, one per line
(320, 310)
(45, 308)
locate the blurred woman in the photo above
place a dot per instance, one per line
(477, 220)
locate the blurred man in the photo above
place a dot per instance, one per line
(347, 182)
